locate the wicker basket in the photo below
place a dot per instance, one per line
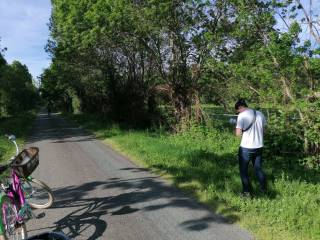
(26, 162)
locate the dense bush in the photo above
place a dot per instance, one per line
(311, 133)
(283, 135)
(295, 136)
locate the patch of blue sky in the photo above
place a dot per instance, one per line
(312, 8)
(24, 32)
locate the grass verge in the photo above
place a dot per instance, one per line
(18, 126)
(203, 162)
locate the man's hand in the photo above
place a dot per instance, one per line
(233, 121)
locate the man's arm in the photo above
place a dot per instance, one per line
(238, 132)
(239, 126)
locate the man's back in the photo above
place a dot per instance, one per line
(253, 137)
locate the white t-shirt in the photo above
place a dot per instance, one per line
(253, 137)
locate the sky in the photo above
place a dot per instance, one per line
(24, 32)
(305, 34)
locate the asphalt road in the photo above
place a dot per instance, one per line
(100, 194)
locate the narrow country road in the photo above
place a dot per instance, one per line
(99, 194)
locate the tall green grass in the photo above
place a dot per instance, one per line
(18, 126)
(203, 161)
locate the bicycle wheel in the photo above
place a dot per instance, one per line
(19, 233)
(13, 230)
(37, 193)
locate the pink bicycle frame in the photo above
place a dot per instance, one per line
(16, 194)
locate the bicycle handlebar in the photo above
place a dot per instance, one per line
(4, 167)
(13, 139)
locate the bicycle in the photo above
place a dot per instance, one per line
(15, 210)
(36, 192)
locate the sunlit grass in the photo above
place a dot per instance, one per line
(203, 162)
(18, 126)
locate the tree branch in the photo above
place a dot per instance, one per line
(310, 23)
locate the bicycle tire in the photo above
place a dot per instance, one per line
(13, 230)
(20, 233)
(37, 193)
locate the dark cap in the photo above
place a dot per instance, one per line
(240, 103)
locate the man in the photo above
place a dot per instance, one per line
(250, 127)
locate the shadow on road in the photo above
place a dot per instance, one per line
(86, 216)
(57, 130)
(138, 194)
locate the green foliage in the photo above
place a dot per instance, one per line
(295, 135)
(133, 50)
(18, 125)
(56, 95)
(283, 134)
(311, 125)
(128, 59)
(17, 91)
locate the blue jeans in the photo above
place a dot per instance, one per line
(255, 156)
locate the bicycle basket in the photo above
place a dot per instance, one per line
(26, 162)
